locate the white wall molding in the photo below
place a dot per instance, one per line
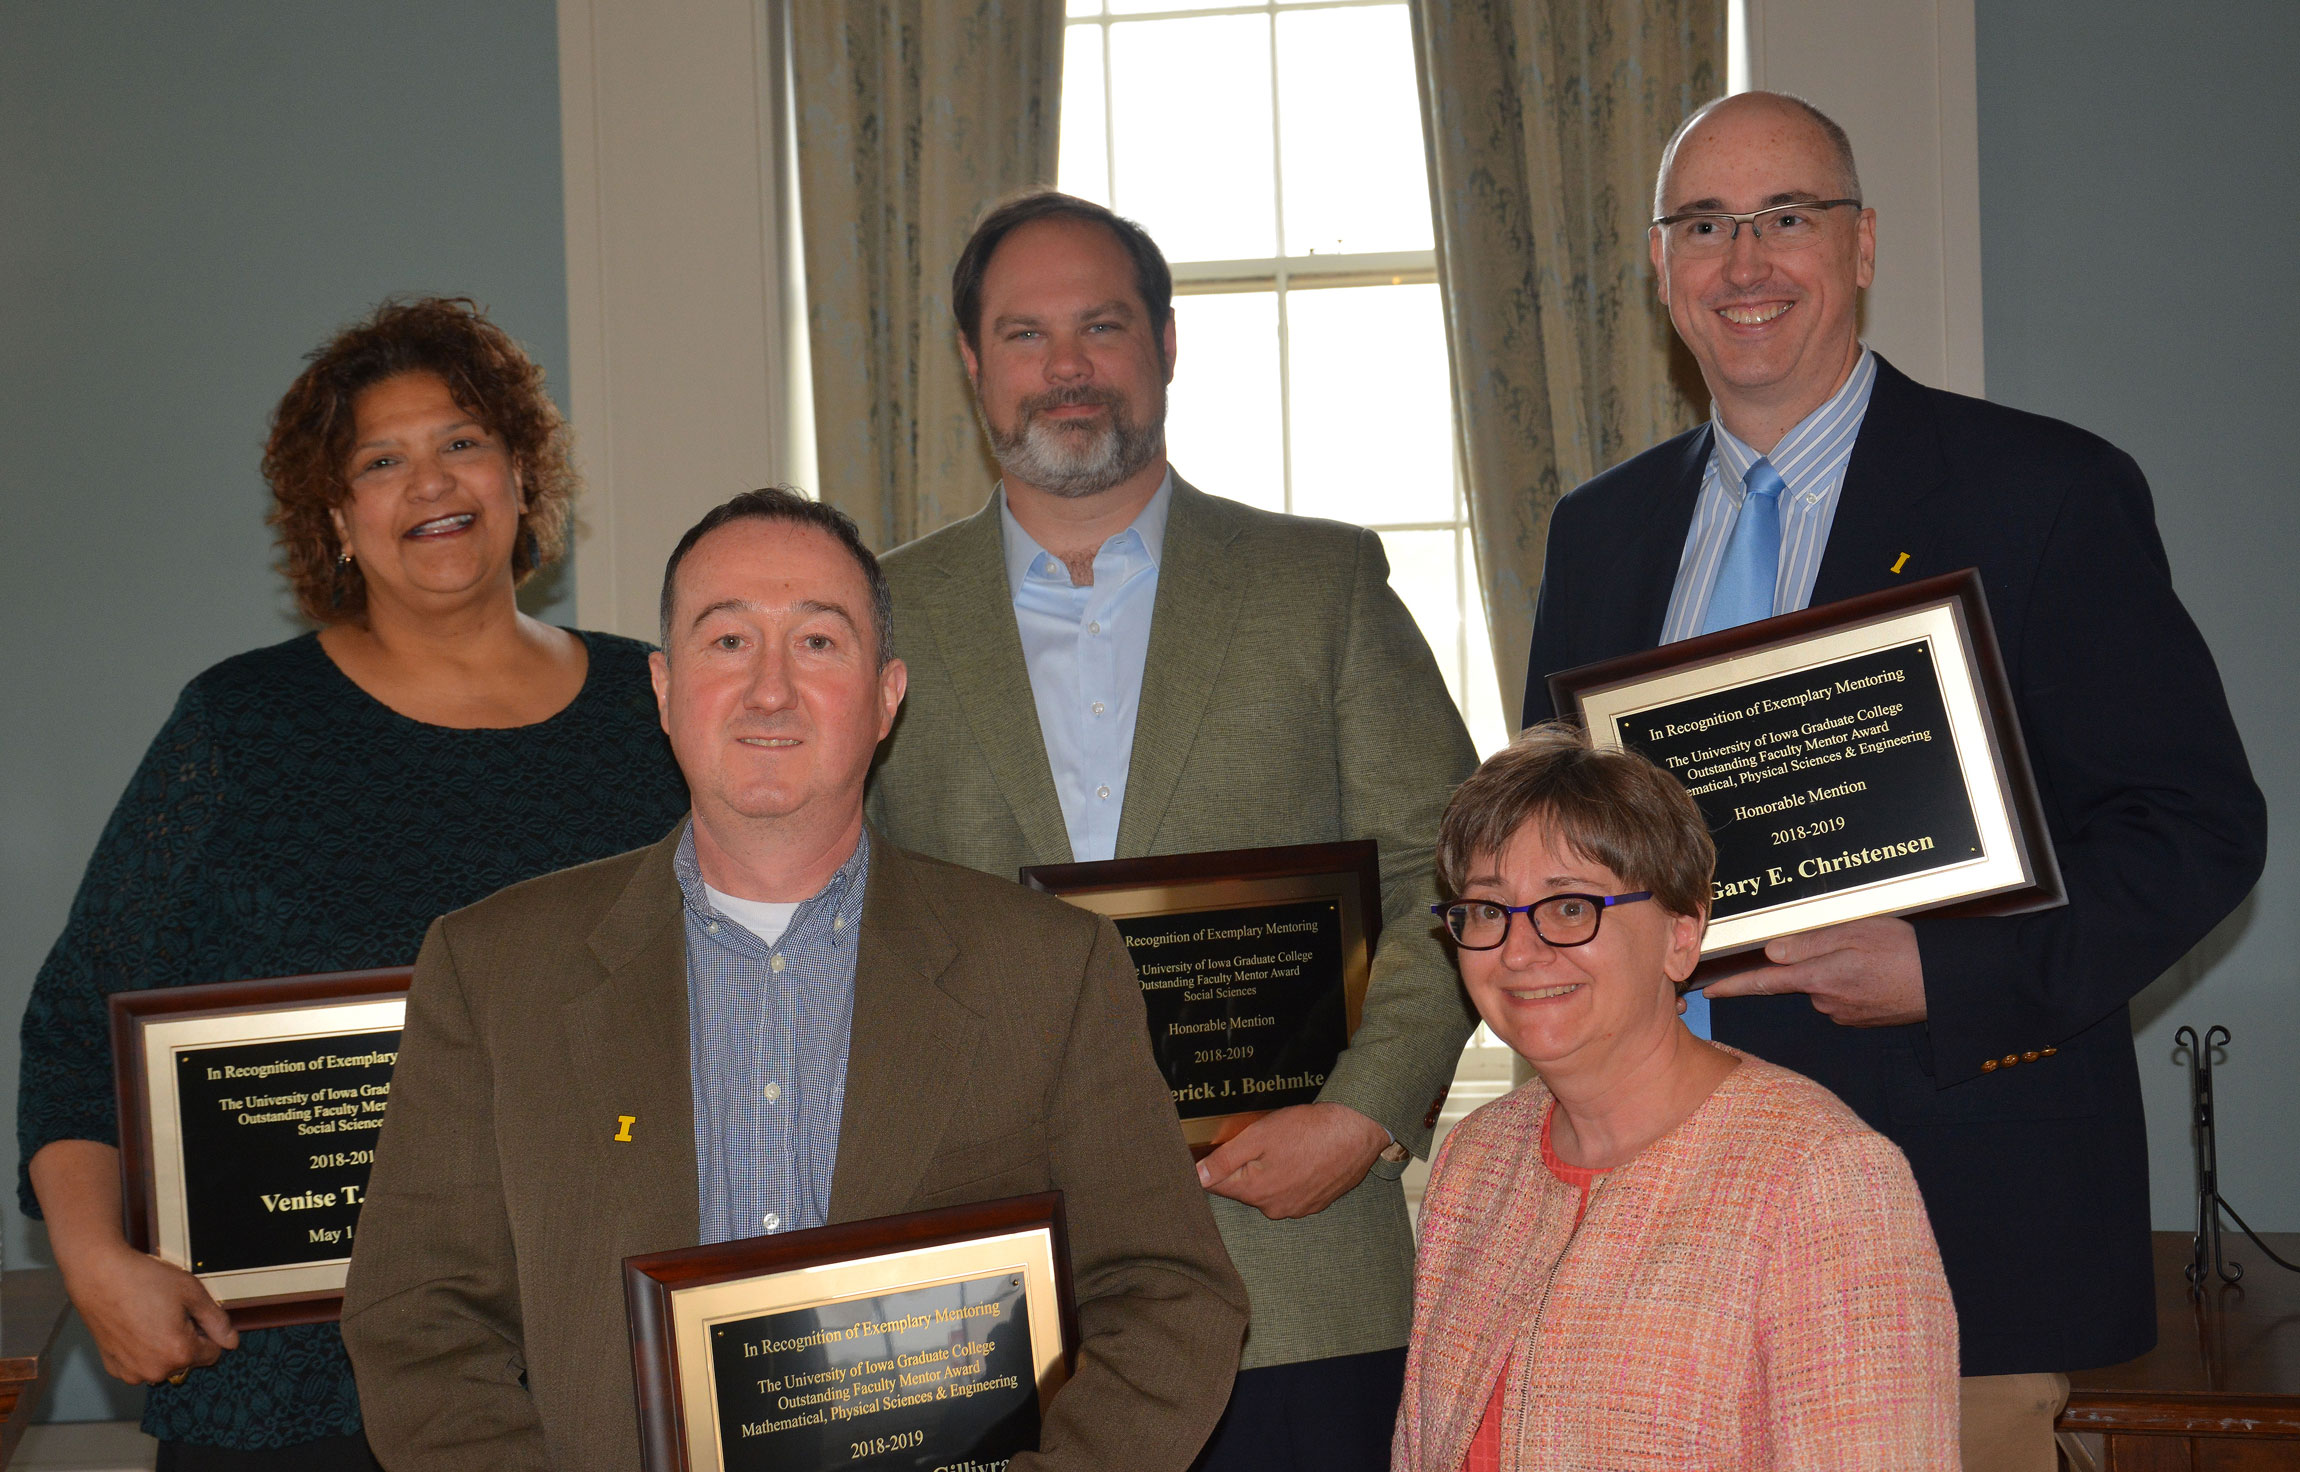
(679, 295)
(1899, 75)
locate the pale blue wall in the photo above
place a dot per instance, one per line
(191, 197)
(2140, 210)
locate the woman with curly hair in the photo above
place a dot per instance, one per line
(314, 805)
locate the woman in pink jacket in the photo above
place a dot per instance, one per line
(1661, 1253)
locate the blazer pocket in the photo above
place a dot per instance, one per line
(981, 1170)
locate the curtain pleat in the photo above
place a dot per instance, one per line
(1544, 123)
(913, 117)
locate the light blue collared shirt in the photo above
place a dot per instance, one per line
(1811, 458)
(767, 1034)
(1085, 649)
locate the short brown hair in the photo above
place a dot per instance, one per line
(1153, 279)
(781, 503)
(1613, 807)
(490, 377)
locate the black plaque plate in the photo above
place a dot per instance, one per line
(1253, 965)
(279, 1138)
(907, 1344)
(1851, 760)
(248, 1119)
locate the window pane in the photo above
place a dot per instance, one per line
(1222, 426)
(1491, 716)
(1084, 166)
(1422, 573)
(1083, 7)
(1190, 103)
(1372, 420)
(1355, 176)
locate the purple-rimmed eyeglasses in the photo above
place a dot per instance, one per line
(1559, 919)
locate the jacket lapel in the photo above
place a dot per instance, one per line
(1897, 465)
(1191, 623)
(972, 613)
(910, 1047)
(628, 1037)
(1648, 566)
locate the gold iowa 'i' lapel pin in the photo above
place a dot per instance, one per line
(623, 1135)
(1900, 562)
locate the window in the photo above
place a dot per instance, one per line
(1274, 151)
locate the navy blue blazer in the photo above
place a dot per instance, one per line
(2035, 1176)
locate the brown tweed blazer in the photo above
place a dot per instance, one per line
(1288, 697)
(998, 1048)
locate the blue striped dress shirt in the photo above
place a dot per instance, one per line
(1811, 458)
(767, 1034)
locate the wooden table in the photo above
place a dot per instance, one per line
(2221, 1390)
(32, 1306)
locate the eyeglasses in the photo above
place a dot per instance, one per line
(1559, 919)
(1783, 227)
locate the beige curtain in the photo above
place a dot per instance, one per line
(912, 117)
(1545, 120)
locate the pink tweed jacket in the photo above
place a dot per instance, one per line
(1758, 1289)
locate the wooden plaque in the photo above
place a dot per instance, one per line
(934, 1339)
(248, 1117)
(1253, 963)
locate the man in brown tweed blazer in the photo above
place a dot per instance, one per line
(988, 1042)
(1108, 663)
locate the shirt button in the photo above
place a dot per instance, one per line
(774, 1091)
(1094, 628)
(838, 922)
(1103, 793)
(778, 963)
(773, 1221)
(1098, 707)
(711, 928)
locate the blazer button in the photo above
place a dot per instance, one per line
(2010, 1059)
(1988, 1065)
(2030, 1056)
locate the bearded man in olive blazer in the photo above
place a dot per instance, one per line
(770, 1019)
(1106, 662)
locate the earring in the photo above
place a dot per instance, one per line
(343, 558)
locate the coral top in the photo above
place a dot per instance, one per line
(1759, 1289)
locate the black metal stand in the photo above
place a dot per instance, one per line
(2206, 1259)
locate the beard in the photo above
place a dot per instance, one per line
(1073, 460)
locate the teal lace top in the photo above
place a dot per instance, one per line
(286, 822)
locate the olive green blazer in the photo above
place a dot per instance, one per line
(1288, 698)
(996, 1050)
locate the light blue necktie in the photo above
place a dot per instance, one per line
(1744, 594)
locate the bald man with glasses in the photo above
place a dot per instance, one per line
(1997, 1053)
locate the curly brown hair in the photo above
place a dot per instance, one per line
(491, 378)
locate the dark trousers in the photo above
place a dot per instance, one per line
(1315, 1416)
(334, 1454)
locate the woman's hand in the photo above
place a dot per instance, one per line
(151, 1320)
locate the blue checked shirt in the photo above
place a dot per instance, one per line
(767, 1034)
(1811, 458)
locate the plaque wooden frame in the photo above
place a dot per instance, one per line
(1952, 610)
(770, 1274)
(149, 1025)
(1180, 884)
